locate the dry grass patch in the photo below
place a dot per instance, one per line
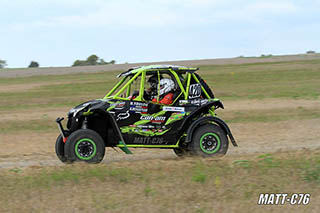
(188, 185)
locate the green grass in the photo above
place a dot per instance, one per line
(34, 125)
(187, 185)
(60, 78)
(298, 79)
(58, 93)
(313, 174)
(282, 80)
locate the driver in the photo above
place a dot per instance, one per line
(151, 92)
(166, 92)
(153, 81)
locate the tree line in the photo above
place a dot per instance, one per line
(3, 64)
(90, 61)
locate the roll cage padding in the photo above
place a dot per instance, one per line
(205, 120)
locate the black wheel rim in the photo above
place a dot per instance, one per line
(85, 149)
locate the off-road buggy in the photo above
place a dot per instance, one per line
(127, 117)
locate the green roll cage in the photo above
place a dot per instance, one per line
(120, 87)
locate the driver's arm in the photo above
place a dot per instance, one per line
(167, 99)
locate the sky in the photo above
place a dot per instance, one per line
(58, 32)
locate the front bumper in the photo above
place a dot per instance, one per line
(60, 127)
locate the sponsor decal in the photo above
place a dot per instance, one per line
(138, 107)
(158, 119)
(149, 126)
(176, 116)
(199, 102)
(194, 91)
(120, 105)
(122, 116)
(183, 102)
(146, 126)
(149, 141)
(173, 109)
(138, 110)
(138, 104)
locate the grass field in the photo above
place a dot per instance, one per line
(271, 108)
(279, 80)
(189, 185)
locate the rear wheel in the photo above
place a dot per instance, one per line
(85, 145)
(209, 140)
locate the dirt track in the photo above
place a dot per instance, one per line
(268, 138)
(27, 148)
(37, 149)
(24, 72)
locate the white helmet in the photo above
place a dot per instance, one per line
(166, 85)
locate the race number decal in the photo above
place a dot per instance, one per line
(194, 91)
(150, 141)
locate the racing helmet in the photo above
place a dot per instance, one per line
(166, 85)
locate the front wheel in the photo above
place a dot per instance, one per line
(209, 140)
(59, 147)
(85, 145)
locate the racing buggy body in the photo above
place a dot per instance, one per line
(132, 115)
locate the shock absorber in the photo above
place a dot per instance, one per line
(85, 123)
